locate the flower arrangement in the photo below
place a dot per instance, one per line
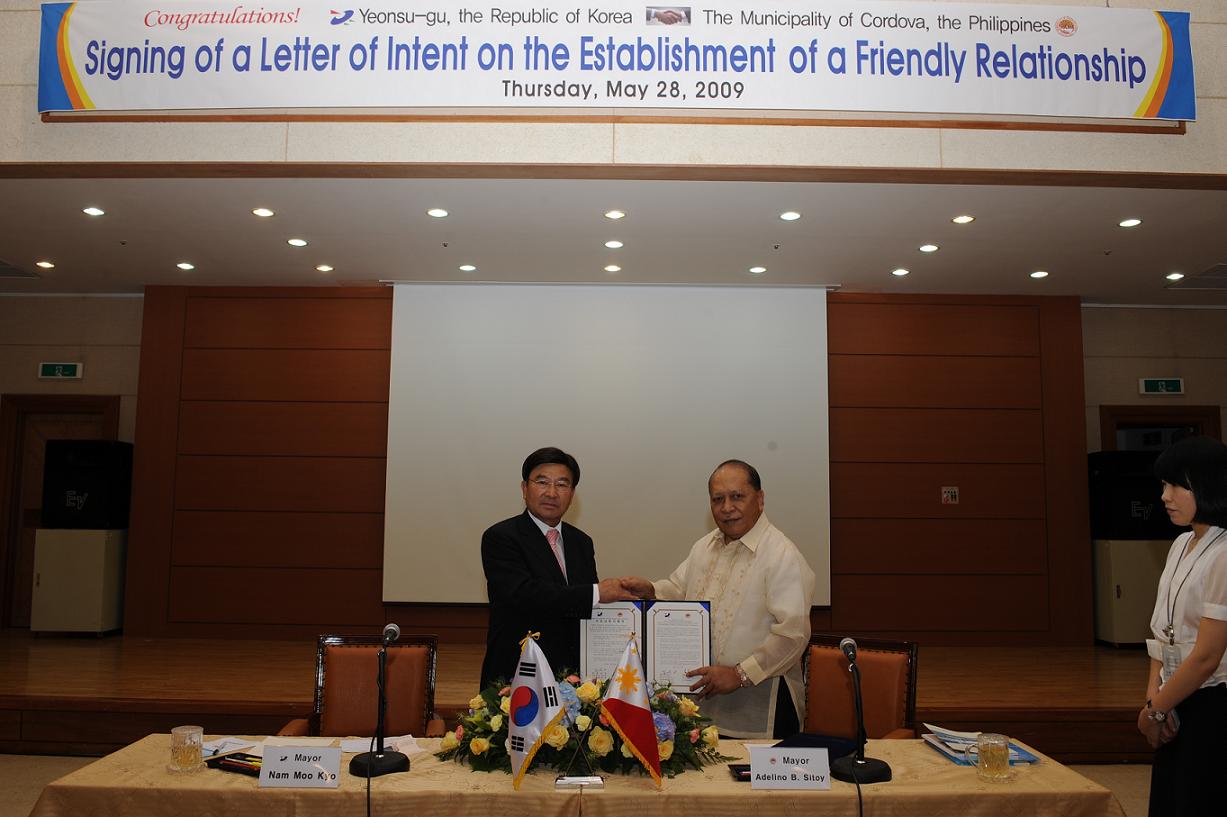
(685, 739)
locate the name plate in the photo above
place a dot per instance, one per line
(301, 767)
(792, 768)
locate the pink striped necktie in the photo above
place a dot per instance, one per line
(551, 536)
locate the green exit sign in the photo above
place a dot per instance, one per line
(1161, 385)
(60, 371)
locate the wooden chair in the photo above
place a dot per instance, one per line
(888, 688)
(346, 697)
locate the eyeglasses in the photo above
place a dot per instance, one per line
(543, 484)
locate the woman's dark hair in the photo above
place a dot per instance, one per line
(1200, 465)
(551, 456)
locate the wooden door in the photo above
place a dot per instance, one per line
(26, 423)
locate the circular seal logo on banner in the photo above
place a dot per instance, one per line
(1066, 27)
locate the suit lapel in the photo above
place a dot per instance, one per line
(537, 548)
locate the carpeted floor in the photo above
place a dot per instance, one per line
(22, 778)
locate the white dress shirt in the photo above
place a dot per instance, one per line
(562, 555)
(1193, 586)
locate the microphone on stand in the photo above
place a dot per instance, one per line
(856, 768)
(379, 762)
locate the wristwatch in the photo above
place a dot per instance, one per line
(745, 679)
(1154, 714)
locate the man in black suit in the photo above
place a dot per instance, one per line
(540, 571)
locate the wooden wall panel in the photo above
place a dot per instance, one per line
(925, 546)
(306, 484)
(320, 322)
(256, 595)
(286, 374)
(153, 465)
(936, 435)
(288, 429)
(905, 490)
(934, 382)
(901, 603)
(1065, 475)
(269, 539)
(901, 328)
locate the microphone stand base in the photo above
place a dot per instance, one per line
(867, 770)
(372, 764)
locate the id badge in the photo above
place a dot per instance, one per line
(1171, 659)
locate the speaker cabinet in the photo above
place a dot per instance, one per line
(87, 484)
(1125, 497)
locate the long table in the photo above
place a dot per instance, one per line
(133, 782)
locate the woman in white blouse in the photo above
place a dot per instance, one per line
(1185, 715)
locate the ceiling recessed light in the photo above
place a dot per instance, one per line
(44, 264)
(790, 215)
(436, 212)
(467, 268)
(758, 270)
(297, 242)
(899, 273)
(615, 214)
(963, 219)
(183, 265)
(94, 211)
(929, 248)
(614, 245)
(263, 212)
(1171, 276)
(324, 268)
(1039, 273)
(613, 268)
(1131, 222)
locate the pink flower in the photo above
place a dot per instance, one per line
(694, 735)
(504, 691)
(572, 679)
(604, 720)
(459, 731)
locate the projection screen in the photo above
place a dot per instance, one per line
(650, 387)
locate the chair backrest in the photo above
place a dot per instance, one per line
(346, 692)
(888, 687)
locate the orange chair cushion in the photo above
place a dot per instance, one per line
(830, 703)
(350, 698)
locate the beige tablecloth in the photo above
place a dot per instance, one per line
(134, 782)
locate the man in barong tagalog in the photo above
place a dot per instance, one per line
(761, 590)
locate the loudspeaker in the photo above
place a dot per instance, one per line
(87, 484)
(1125, 497)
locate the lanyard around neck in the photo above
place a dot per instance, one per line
(1170, 630)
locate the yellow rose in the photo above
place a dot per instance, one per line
(478, 745)
(496, 722)
(711, 736)
(505, 705)
(477, 702)
(665, 749)
(587, 692)
(687, 707)
(583, 722)
(626, 750)
(449, 742)
(600, 741)
(557, 736)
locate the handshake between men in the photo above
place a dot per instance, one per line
(541, 576)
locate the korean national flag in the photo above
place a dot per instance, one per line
(535, 707)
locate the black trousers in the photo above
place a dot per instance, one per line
(1189, 776)
(786, 723)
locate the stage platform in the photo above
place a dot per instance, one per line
(89, 696)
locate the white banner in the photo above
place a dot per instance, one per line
(816, 56)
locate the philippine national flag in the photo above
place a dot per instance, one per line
(535, 707)
(628, 711)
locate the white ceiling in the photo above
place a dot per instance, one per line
(675, 232)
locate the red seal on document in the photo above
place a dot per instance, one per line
(1066, 27)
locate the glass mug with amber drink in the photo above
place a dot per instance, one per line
(990, 756)
(185, 749)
